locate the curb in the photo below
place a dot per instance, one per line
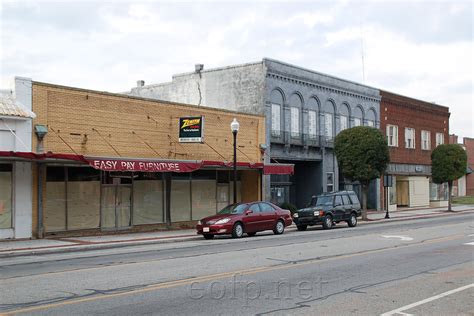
(23, 252)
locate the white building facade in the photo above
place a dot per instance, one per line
(15, 175)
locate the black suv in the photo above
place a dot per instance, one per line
(329, 208)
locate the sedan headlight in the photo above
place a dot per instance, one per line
(295, 215)
(222, 221)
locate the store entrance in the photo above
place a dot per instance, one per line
(116, 206)
(116, 201)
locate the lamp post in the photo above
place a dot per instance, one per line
(234, 127)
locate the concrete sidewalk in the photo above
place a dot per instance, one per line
(11, 248)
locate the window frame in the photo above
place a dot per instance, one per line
(329, 184)
(394, 136)
(276, 109)
(346, 120)
(312, 124)
(326, 122)
(294, 121)
(425, 141)
(437, 138)
(413, 133)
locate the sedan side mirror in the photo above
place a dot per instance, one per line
(247, 212)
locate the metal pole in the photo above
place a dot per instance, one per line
(235, 166)
(386, 202)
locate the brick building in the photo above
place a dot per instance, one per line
(112, 162)
(413, 129)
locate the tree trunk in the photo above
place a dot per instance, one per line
(365, 191)
(450, 186)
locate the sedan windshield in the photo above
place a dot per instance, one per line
(233, 209)
(324, 201)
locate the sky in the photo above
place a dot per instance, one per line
(421, 49)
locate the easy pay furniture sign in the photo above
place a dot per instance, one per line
(191, 129)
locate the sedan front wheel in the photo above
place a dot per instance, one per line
(237, 230)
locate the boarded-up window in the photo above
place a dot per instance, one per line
(5, 195)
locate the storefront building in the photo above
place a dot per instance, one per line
(15, 175)
(304, 111)
(413, 129)
(111, 162)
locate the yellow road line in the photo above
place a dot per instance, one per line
(224, 275)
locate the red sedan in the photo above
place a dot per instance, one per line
(249, 218)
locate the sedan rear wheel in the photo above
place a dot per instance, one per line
(238, 230)
(327, 222)
(279, 227)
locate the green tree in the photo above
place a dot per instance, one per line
(448, 163)
(362, 154)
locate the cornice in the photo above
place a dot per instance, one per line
(324, 88)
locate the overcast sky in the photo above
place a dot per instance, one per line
(419, 49)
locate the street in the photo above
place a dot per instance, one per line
(420, 267)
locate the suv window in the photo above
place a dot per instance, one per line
(354, 198)
(338, 200)
(346, 200)
(266, 207)
(254, 208)
(325, 200)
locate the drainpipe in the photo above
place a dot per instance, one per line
(40, 231)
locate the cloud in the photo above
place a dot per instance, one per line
(422, 49)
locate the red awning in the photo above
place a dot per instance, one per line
(278, 168)
(148, 165)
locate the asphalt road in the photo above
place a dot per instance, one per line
(422, 267)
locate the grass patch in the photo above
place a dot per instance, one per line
(463, 200)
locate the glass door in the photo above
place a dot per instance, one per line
(116, 206)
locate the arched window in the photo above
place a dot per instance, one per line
(313, 117)
(343, 117)
(276, 98)
(371, 118)
(329, 119)
(295, 108)
(358, 116)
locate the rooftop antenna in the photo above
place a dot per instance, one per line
(362, 50)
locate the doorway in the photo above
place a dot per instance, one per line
(403, 195)
(116, 206)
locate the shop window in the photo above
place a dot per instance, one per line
(6, 186)
(83, 198)
(148, 198)
(393, 192)
(204, 190)
(55, 199)
(439, 192)
(180, 197)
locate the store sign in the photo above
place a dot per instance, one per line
(191, 129)
(143, 166)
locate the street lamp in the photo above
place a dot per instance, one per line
(234, 127)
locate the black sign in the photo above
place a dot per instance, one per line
(191, 129)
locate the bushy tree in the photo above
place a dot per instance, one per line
(448, 163)
(362, 154)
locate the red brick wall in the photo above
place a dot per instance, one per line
(469, 145)
(406, 112)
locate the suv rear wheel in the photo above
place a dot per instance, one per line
(352, 222)
(327, 222)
